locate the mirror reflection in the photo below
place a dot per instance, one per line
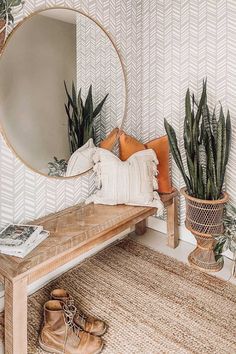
(62, 90)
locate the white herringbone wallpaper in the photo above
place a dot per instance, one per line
(98, 64)
(184, 41)
(166, 46)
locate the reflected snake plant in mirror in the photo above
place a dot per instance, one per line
(81, 117)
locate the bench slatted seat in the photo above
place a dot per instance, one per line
(73, 231)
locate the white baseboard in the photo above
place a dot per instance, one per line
(184, 234)
(161, 226)
(59, 271)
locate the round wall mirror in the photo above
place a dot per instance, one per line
(62, 90)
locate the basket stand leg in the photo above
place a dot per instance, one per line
(203, 256)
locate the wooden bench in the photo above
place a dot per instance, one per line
(73, 232)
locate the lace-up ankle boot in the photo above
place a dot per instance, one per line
(89, 324)
(60, 334)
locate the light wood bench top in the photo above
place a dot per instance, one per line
(71, 229)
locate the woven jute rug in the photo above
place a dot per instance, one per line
(152, 303)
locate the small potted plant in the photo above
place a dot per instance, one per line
(227, 240)
(8, 9)
(207, 145)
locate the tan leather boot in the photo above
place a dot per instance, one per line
(87, 323)
(60, 334)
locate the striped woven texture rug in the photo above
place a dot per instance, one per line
(152, 303)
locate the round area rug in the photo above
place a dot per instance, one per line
(153, 304)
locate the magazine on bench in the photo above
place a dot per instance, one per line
(19, 240)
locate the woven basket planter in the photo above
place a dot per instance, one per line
(204, 218)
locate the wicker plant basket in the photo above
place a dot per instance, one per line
(204, 218)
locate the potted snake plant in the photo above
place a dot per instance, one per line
(207, 146)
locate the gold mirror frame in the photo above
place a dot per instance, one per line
(2, 132)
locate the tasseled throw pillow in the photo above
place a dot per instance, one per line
(131, 182)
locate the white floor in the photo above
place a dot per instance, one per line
(157, 241)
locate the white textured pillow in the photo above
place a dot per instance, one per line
(81, 160)
(131, 182)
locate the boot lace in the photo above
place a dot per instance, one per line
(70, 305)
(69, 317)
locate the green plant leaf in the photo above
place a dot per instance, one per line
(226, 150)
(74, 98)
(176, 153)
(99, 106)
(14, 3)
(88, 108)
(80, 117)
(220, 147)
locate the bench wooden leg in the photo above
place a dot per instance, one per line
(140, 227)
(16, 316)
(172, 224)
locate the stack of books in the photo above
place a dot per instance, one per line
(19, 240)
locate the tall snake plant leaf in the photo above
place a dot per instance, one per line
(80, 117)
(220, 148)
(80, 106)
(214, 124)
(224, 143)
(74, 97)
(228, 130)
(203, 165)
(14, 3)
(203, 101)
(188, 125)
(188, 151)
(200, 185)
(208, 189)
(99, 106)
(76, 117)
(188, 136)
(88, 107)
(196, 172)
(210, 149)
(228, 138)
(70, 127)
(176, 153)
(191, 172)
(69, 97)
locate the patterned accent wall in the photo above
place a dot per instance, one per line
(184, 41)
(166, 46)
(98, 64)
(25, 195)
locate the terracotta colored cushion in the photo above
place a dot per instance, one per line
(129, 145)
(110, 140)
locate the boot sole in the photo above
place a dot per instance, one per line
(51, 350)
(48, 349)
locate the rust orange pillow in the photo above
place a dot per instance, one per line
(130, 145)
(110, 140)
